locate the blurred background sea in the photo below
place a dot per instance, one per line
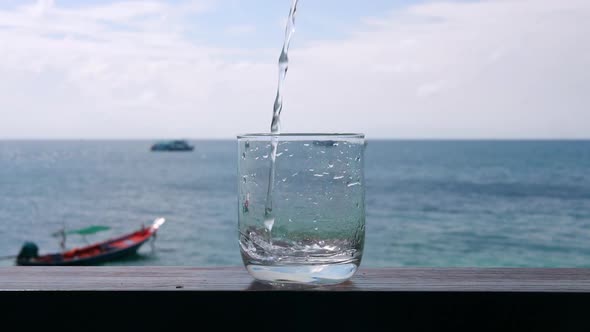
(428, 203)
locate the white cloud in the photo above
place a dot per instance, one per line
(506, 68)
(477, 69)
(40, 8)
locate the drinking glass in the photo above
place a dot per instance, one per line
(310, 228)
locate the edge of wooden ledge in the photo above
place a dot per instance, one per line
(395, 279)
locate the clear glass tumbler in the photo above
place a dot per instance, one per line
(308, 226)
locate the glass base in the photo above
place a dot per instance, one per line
(322, 274)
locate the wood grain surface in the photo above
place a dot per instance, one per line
(237, 279)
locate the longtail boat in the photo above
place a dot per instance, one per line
(92, 254)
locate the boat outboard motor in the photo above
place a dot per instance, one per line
(28, 251)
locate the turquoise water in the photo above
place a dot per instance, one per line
(429, 203)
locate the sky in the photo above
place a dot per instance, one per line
(94, 69)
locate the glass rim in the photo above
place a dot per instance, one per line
(303, 135)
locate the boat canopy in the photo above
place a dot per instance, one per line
(85, 231)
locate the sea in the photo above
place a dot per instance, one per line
(429, 203)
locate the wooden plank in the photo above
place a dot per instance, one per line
(163, 278)
(174, 298)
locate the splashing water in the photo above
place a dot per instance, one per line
(275, 127)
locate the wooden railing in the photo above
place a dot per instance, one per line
(424, 297)
(237, 279)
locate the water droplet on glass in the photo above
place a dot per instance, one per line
(305, 144)
(314, 221)
(284, 180)
(330, 166)
(244, 155)
(316, 228)
(338, 177)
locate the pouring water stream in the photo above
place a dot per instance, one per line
(275, 127)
